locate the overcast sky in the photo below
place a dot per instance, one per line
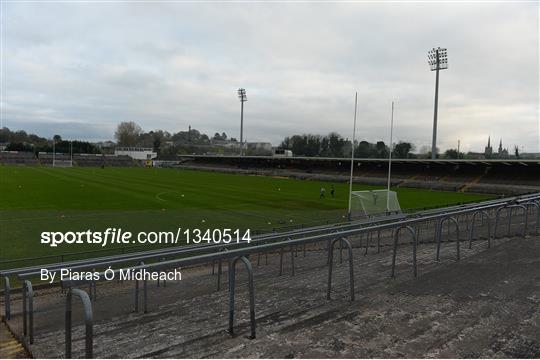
(78, 69)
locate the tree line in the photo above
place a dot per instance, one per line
(334, 145)
(192, 141)
(22, 141)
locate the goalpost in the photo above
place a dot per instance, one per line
(63, 162)
(374, 202)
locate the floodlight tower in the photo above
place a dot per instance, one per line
(243, 98)
(437, 60)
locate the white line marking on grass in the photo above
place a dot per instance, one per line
(158, 195)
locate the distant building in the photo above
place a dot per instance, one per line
(488, 151)
(282, 153)
(136, 153)
(225, 143)
(502, 153)
(259, 148)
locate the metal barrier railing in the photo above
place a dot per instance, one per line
(536, 204)
(28, 310)
(483, 214)
(242, 253)
(509, 211)
(251, 289)
(158, 254)
(88, 320)
(394, 253)
(438, 234)
(7, 299)
(331, 264)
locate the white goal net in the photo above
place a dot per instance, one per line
(62, 163)
(374, 202)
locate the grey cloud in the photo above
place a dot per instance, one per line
(170, 65)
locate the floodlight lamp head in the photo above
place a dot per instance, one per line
(242, 94)
(438, 59)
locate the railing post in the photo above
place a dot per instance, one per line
(483, 217)
(331, 263)
(378, 241)
(394, 254)
(7, 300)
(280, 261)
(165, 281)
(88, 319)
(25, 326)
(251, 289)
(497, 216)
(145, 289)
(219, 272)
(447, 219)
(531, 204)
(368, 237)
(438, 236)
(292, 260)
(509, 212)
(28, 310)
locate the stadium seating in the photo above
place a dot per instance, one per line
(501, 177)
(96, 160)
(17, 158)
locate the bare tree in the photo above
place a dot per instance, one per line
(127, 133)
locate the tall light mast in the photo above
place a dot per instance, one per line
(243, 98)
(352, 156)
(437, 60)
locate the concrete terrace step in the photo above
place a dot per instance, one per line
(10, 348)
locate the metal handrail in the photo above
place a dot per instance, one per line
(232, 253)
(88, 320)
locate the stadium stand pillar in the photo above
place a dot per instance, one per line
(331, 263)
(251, 288)
(87, 319)
(394, 254)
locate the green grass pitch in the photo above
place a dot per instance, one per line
(36, 199)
